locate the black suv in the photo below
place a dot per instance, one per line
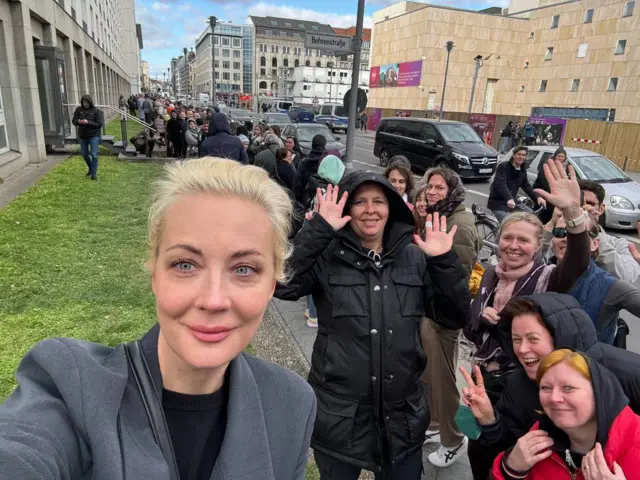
(428, 143)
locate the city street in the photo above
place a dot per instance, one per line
(477, 192)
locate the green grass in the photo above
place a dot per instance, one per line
(72, 258)
(112, 127)
(311, 471)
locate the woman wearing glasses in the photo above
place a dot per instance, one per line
(599, 293)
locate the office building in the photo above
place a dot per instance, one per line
(575, 59)
(319, 85)
(51, 53)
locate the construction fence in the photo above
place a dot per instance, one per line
(619, 142)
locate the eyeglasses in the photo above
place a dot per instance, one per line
(559, 232)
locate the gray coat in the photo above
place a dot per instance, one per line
(77, 414)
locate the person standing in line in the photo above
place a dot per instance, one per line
(506, 136)
(89, 121)
(363, 121)
(141, 107)
(176, 130)
(148, 109)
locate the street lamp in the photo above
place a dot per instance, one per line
(449, 47)
(212, 23)
(479, 65)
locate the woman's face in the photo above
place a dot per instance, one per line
(213, 278)
(437, 189)
(256, 131)
(561, 157)
(398, 181)
(421, 204)
(518, 244)
(289, 144)
(369, 212)
(531, 342)
(567, 397)
(289, 157)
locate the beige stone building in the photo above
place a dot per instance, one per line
(576, 59)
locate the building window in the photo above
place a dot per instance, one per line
(274, 72)
(216, 40)
(627, 11)
(622, 44)
(236, 77)
(225, 52)
(314, 27)
(236, 65)
(301, 26)
(236, 54)
(274, 62)
(277, 49)
(531, 35)
(306, 87)
(217, 75)
(296, 63)
(613, 84)
(274, 23)
(225, 41)
(582, 50)
(273, 49)
(4, 142)
(521, 88)
(268, 33)
(543, 85)
(263, 62)
(318, 64)
(263, 85)
(575, 85)
(555, 21)
(307, 63)
(226, 76)
(263, 71)
(225, 64)
(588, 16)
(285, 62)
(236, 42)
(549, 54)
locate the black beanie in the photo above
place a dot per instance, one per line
(319, 141)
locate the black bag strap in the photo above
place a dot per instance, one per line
(152, 405)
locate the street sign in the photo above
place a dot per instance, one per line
(362, 99)
(315, 100)
(333, 43)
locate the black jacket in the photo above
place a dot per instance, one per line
(306, 168)
(367, 358)
(285, 175)
(94, 116)
(267, 159)
(506, 184)
(176, 129)
(572, 328)
(221, 142)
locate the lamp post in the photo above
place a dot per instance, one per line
(212, 22)
(479, 65)
(449, 47)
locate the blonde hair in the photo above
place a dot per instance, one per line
(218, 176)
(573, 359)
(523, 217)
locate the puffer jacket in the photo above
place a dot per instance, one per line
(618, 433)
(221, 142)
(267, 159)
(93, 115)
(571, 327)
(367, 358)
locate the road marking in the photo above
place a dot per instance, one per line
(475, 192)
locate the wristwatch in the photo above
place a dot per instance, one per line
(578, 221)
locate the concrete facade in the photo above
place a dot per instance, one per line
(89, 41)
(555, 60)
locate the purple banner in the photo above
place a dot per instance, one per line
(406, 74)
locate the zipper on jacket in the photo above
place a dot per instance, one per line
(573, 474)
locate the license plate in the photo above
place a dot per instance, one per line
(484, 170)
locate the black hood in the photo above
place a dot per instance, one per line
(87, 98)
(610, 400)
(219, 123)
(400, 223)
(569, 325)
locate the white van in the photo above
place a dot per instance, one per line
(280, 106)
(334, 116)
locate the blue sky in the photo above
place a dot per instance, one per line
(170, 25)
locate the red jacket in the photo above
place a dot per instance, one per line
(623, 447)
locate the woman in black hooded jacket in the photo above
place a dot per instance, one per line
(519, 407)
(371, 286)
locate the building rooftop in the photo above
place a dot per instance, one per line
(291, 24)
(351, 32)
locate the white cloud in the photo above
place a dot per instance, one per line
(160, 7)
(263, 9)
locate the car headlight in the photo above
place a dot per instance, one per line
(621, 202)
(461, 158)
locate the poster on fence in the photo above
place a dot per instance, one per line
(406, 74)
(549, 130)
(483, 124)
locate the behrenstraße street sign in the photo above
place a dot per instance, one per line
(333, 43)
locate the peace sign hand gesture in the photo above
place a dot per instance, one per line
(437, 240)
(330, 208)
(475, 397)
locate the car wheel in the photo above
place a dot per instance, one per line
(384, 158)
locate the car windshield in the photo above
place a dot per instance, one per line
(237, 112)
(278, 118)
(458, 133)
(307, 134)
(598, 169)
(304, 109)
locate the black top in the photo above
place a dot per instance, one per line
(506, 183)
(196, 425)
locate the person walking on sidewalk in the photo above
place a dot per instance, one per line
(363, 121)
(89, 121)
(372, 285)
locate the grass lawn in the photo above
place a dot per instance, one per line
(72, 258)
(112, 127)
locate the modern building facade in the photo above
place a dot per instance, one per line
(51, 53)
(573, 59)
(280, 48)
(319, 85)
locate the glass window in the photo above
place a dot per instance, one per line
(531, 156)
(622, 44)
(326, 110)
(301, 26)
(216, 40)
(549, 54)
(274, 23)
(555, 21)
(543, 85)
(226, 41)
(306, 133)
(613, 84)
(458, 133)
(627, 11)
(236, 42)
(287, 24)
(575, 84)
(588, 16)
(236, 65)
(225, 76)
(45, 91)
(225, 52)
(599, 169)
(4, 142)
(263, 71)
(236, 54)
(582, 50)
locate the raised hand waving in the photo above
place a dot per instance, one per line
(437, 241)
(331, 206)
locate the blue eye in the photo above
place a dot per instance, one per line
(244, 270)
(183, 266)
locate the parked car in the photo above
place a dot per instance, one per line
(622, 198)
(428, 143)
(239, 115)
(280, 119)
(302, 113)
(334, 116)
(304, 133)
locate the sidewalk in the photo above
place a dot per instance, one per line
(293, 327)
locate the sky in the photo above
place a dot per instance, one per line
(170, 25)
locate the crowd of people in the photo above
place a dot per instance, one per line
(387, 266)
